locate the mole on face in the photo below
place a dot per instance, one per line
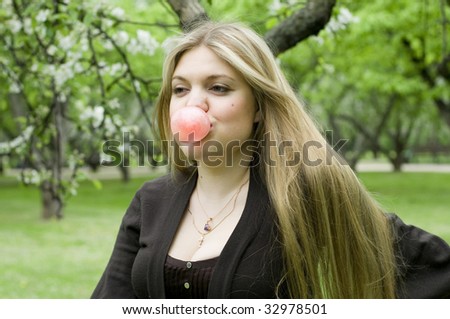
(190, 123)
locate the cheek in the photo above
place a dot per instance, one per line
(172, 108)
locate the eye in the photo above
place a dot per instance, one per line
(219, 89)
(179, 90)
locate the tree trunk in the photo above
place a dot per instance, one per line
(397, 163)
(189, 12)
(51, 202)
(125, 172)
(444, 109)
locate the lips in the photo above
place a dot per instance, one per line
(190, 124)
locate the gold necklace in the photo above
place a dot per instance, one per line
(208, 229)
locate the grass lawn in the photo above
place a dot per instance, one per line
(65, 259)
(421, 199)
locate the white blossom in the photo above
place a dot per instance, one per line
(66, 43)
(318, 39)
(63, 73)
(31, 176)
(95, 114)
(440, 81)
(122, 147)
(107, 23)
(6, 3)
(108, 46)
(78, 67)
(74, 55)
(84, 45)
(137, 86)
(41, 30)
(49, 69)
(42, 110)
(6, 147)
(14, 25)
(28, 26)
(346, 17)
(147, 41)
(114, 104)
(141, 4)
(121, 38)
(14, 88)
(343, 19)
(118, 13)
(116, 68)
(329, 68)
(144, 43)
(51, 50)
(275, 6)
(79, 105)
(110, 128)
(105, 158)
(62, 97)
(42, 15)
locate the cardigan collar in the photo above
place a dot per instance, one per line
(252, 217)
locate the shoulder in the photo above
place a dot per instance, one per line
(414, 241)
(157, 185)
(163, 187)
(423, 260)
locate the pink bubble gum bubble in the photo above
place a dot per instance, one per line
(190, 123)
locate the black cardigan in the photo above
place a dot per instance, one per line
(250, 263)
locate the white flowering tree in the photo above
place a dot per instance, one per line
(63, 65)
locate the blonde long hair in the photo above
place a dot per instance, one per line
(337, 242)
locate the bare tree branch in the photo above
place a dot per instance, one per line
(300, 25)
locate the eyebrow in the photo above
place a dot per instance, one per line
(211, 77)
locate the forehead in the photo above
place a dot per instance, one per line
(202, 61)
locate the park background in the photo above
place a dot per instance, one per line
(75, 74)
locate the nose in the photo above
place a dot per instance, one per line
(199, 102)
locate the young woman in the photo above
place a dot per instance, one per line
(261, 207)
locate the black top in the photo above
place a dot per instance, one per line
(187, 279)
(250, 263)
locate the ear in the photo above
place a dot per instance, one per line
(257, 116)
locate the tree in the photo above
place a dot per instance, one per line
(358, 75)
(64, 65)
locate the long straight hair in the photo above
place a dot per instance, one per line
(337, 241)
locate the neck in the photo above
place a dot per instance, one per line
(220, 181)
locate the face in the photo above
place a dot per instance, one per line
(204, 80)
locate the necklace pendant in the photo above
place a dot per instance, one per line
(207, 227)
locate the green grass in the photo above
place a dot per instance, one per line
(65, 259)
(54, 259)
(421, 199)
